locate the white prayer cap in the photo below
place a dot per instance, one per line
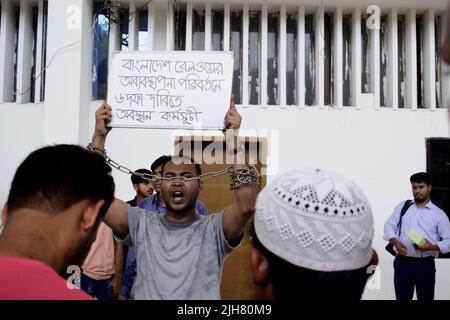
(315, 219)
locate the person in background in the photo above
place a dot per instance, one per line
(143, 187)
(102, 269)
(414, 265)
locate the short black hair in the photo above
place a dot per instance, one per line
(161, 161)
(186, 160)
(291, 282)
(54, 178)
(420, 177)
(135, 179)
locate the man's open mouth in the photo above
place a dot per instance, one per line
(177, 196)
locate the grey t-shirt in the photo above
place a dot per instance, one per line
(176, 260)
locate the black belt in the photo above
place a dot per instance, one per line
(415, 259)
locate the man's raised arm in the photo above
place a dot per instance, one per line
(237, 215)
(116, 217)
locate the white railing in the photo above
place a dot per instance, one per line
(399, 92)
(22, 51)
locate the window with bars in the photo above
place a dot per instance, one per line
(100, 53)
(23, 35)
(263, 75)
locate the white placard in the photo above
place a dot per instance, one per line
(170, 89)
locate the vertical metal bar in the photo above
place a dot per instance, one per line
(320, 57)
(151, 25)
(170, 34)
(24, 53)
(208, 28)
(375, 60)
(245, 40)
(189, 26)
(226, 27)
(301, 57)
(263, 71)
(133, 27)
(114, 40)
(39, 54)
(445, 78)
(7, 33)
(356, 57)
(429, 77)
(282, 58)
(392, 59)
(338, 58)
(411, 61)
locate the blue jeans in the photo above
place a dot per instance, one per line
(410, 273)
(97, 288)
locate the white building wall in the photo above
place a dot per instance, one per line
(378, 149)
(21, 131)
(68, 83)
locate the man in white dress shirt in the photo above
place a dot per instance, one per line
(414, 265)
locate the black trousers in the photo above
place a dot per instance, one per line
(410, 273)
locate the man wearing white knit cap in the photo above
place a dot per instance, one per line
(312, 236)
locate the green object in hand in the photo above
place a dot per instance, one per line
(416, 238)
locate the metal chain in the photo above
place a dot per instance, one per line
(114, 164)
(118, 166)
(246, 175)
(212, 174)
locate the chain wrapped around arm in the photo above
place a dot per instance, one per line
(247, 175)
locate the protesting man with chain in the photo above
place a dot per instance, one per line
(180, 254)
